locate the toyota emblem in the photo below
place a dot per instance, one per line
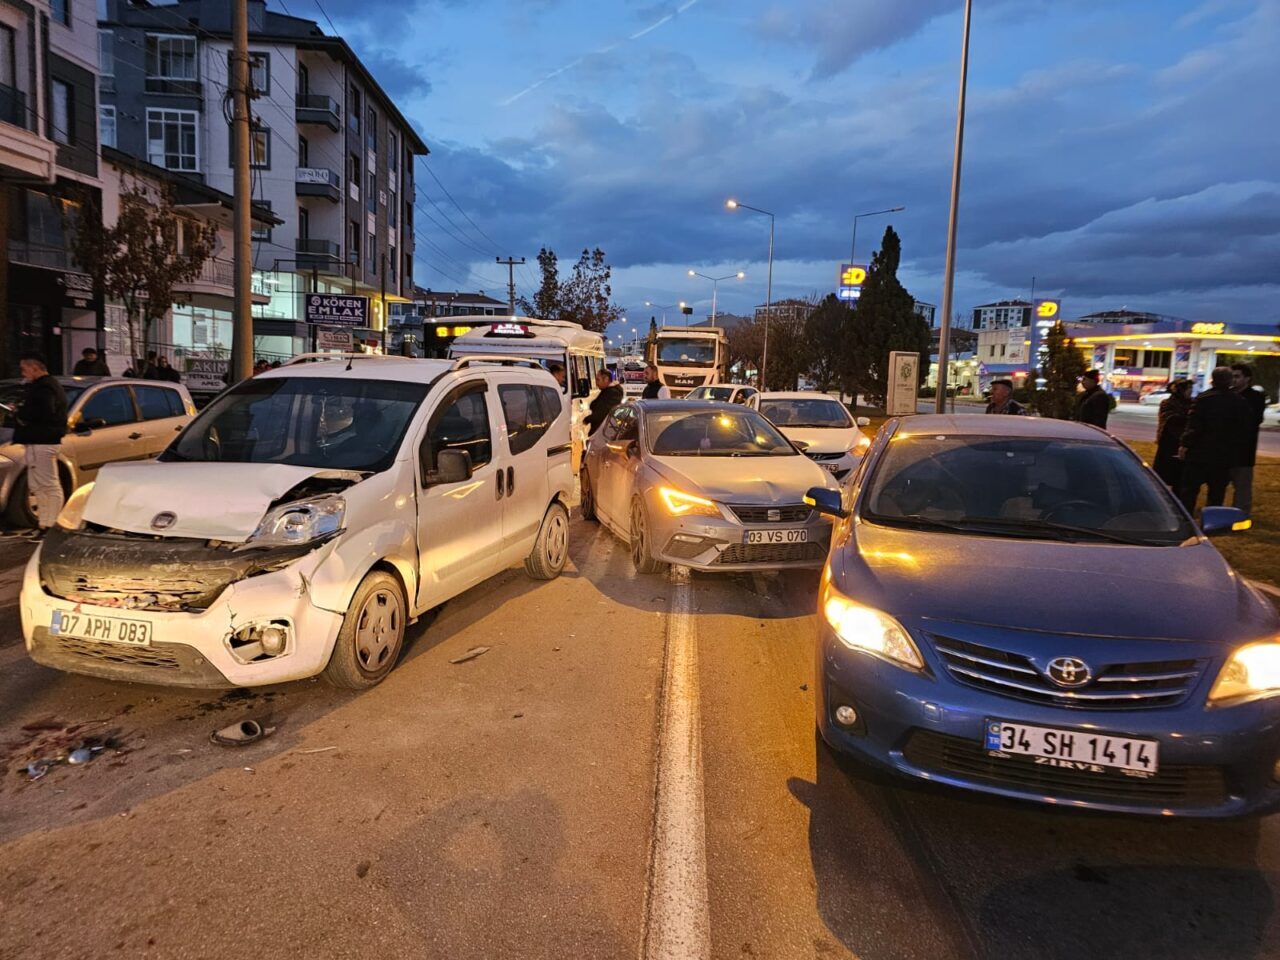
(163, 521)
(1069, 671)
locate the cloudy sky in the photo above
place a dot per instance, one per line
(1122, 152)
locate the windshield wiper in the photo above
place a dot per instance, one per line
(1050, 526)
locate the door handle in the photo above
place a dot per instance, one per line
(511, 480)
(178, 429)
(135, 436)
(498, 490)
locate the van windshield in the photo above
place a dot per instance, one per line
(324, 422)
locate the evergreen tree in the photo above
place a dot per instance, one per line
(1063, 366)
(826, 333)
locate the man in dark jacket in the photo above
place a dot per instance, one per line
(1002, 399)
(41, 423)
(1169, 427)
(1218, 425)
(1242, 470)
(1093, 405)
(654, 389)
(610, 396)
(90, 364)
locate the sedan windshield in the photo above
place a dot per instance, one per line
(324, 422)
(718, 394)
(816, 412)
(1022, 487)
(714, 433)
(693, 351)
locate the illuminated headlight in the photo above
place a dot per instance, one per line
(861, 445)
(72, 515)
(1251, 671)
(869, 630)
(686, 504)
(301, 522)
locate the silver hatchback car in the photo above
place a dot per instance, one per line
(712, 486)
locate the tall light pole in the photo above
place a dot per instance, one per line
(664, 307)
(949, 275)
(768, 294)
(853, 244)
(715, 282)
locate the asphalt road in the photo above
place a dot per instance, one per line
(505, 807)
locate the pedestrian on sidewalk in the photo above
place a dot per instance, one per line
(1002, 399)
(41, 424)
(90, 364)
(654, 389)
(1093, 405)
(164, 371)
(1172, 421)
(1242, 472)
(1217, 428)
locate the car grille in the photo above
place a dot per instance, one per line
(1173, 785)
(766, 553)
(119, 653)
(824, 457)
(1115, 686)
(784, 513)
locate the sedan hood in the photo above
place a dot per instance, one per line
(210, 501)
(744, 479)
(822, 439)
(1087, 589)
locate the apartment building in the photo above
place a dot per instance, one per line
(48, 171)
(331, 155)
(1002, 315)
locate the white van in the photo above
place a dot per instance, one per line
(302, 520)
(578, 350)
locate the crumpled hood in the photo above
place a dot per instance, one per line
(213, 501)
(745, 479)
(822, 439)
(1186, 593)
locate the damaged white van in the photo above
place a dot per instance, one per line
(302, 520)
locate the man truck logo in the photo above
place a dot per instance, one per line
(163, 521)
(1047, 309)
(1069, 671)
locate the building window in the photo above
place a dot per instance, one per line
(60, 10)
(8, 65)
(259, 146)
(304, 80)
(171, 139)
(257, 229)
(171, 57)
(393, 150)
(259, 72)
(304, 223)
(62, 117)
(304, 152)
(371, 132)
(371, 201)
(353, 111)
(107, 125)
(106, 53)
(353, 242)
(373, 254)
(353, 174)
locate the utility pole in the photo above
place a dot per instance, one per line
(242, 318)
(386, 314)
(510, 264)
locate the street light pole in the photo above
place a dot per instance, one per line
(715, 283)
(949, 275)
(768, 295)
(853, 244)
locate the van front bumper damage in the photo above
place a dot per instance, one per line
(202, 604)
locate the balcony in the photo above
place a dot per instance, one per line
(217, 278)
(175, 87)
(322, 255)
(317, 182)
(317, 108)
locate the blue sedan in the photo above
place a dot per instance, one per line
(1019, 607)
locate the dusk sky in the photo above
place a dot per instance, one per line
(1124, 152)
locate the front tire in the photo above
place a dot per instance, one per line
(551, 547)
(586, 495)
(641, 549)
(372, 634)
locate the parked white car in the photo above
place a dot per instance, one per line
(820, 425)
(302, 520)
(723, 393)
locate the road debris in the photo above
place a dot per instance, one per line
(317, 750)
(241, 734)
(470, 654)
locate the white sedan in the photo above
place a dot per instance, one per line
(820, 425)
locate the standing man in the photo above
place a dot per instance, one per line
(90, 364)
(1217, 426)
(654, 389)
(41, 425)
(1169, 427)
(610, 396)
(1002, 399)
(1242, 471)
(1093, 406)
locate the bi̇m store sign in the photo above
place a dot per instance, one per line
(337, 310)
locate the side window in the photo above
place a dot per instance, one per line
(550, 403)
(176, 407)
(629, 429)
(112, 405)
(613, 424)
(581, 375)
(462, 423)
(154, 402)
(522, 412)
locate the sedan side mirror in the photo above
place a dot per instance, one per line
(452, 466)
(863, 421)
(93, 423)
(826, 502)
(1223, 520)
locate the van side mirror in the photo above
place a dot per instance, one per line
(452, 466)
(826, 502)
(863, 421)
(1215, 520)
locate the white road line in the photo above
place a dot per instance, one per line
(1266, 587)
(677, 917)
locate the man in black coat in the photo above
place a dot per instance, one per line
(1242, 470)
(41, 423)
(610, 396)
(1093, 405)
(90, 364)
(1218, 426)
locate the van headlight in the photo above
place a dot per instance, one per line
(302, 521)
(865, 628)
(72, 515)
(1251, 671)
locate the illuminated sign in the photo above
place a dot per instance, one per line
(337, 309)
(1208, 329)
(1047, 309)
(509, 330)
(850, 280)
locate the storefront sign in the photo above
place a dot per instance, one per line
(1181, 360)
(328, 338)
(79, 289)
(205, 373)
(849, 283)
(1208, 329)
(1099, 356)
(904, 381)
(335, 309)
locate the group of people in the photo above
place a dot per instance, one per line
(611, 394)
(1092, 404)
